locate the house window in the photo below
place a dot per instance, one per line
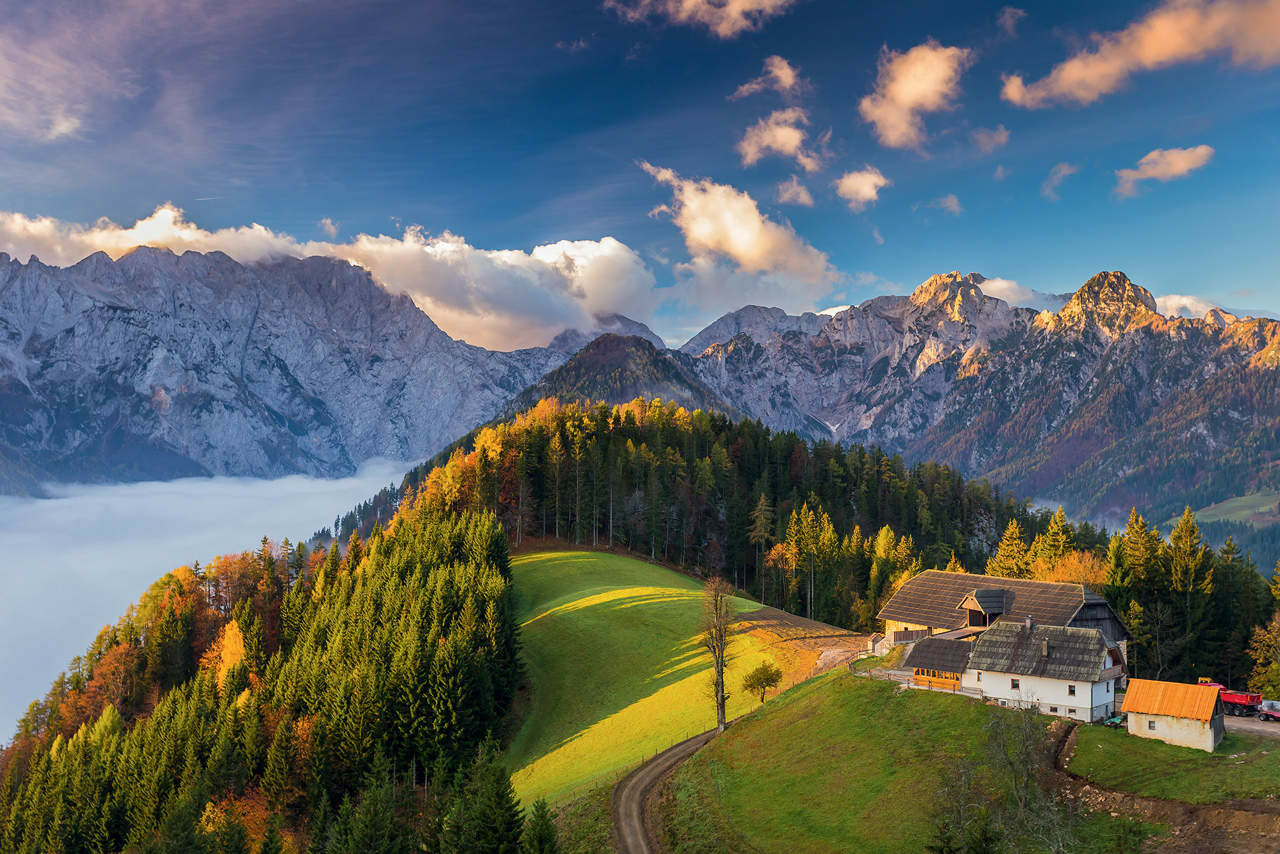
(1071, 711)
(1151, 724)
(1053, 710)
(979, 675)
(1108, 686)
(1071, 690)
(1014, 685)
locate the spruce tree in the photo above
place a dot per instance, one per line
(540, 831)
(1011, 559)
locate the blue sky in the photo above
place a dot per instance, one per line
(524, 125)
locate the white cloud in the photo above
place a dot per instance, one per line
(1162, 164)
(1176, 31)
(989, 139)
(879, 238)
(502, 299)
(720, 222)
(925, 79)
(725, 18)
(948, 203)
(792, 192)
(1059, 173)
(1016, 294)
(1183, 305)
(329, 227)
(778, 75)
(1008, 20)
(861, 188)
(781, 132)
(1001, 173)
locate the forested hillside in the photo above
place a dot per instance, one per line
(830, 532)
(341, 700)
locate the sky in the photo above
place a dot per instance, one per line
(519, 167)
(126, 537)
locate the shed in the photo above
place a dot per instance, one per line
(938, 663)
(1175, 712)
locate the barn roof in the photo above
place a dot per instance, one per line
(1175, 699)
(948, 656)
(1054, 652)
(933, 598)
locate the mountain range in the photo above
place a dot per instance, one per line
(157, 365)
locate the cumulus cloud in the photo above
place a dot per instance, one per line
(1058, 174)
(948, 203)
(924, 79)
(1177, 31)
(1162, 164)
(724, 18)
(778, 75)
(1008, 20)
(989, 139)
(723, 223)
(1183, 305)
(861, 188)
(782, 132)
(792, 192)
(1016, 294)
(500, 299)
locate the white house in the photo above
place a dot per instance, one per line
(1058, 670)
(1175, 712)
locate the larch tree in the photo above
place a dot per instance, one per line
(717, 612)
(1011, 559)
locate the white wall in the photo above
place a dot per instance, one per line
(1092, 701)
(1184, 732)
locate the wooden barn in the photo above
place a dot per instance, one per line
(938, 663)
(1175, 712)
(958, 605)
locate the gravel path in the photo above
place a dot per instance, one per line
(631, 831)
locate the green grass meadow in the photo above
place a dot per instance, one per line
(1244, 766)
(617, 674)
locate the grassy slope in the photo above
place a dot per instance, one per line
(841, 763)
(1244, 766)
(611, 648)
(1256, 508)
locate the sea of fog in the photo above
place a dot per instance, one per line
(73, 563)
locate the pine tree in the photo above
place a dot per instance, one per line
(272, 843)
(1011, 559)
(540, 831)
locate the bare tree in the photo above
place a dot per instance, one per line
(716, 615)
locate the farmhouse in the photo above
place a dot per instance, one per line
(1175, 712)
(958, 605)
(1058, 670)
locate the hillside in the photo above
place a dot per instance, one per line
(621, 368)
(842, 763)
(617, 674)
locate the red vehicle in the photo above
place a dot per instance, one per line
(1239, 703)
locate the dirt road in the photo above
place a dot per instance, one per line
(1253, 726)
(631, 831)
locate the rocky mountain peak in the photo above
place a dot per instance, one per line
(1111, 301)
(959, 295)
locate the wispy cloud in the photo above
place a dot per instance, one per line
(781, 132)
(861, 187)
(726, 19)
(948, 204)
(924, 79)
(1162, 164)
(1059, 173)
(778, 75)
(989, 139)
(1008, 20)
(1176, 31)
(792, 192)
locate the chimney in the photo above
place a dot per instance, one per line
(1044, 648)
(1027, 620)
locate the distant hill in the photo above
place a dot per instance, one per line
(620, 368)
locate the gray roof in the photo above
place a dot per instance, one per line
(991, 600)
(939, 654)
(1055, 652)
(933, 598)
